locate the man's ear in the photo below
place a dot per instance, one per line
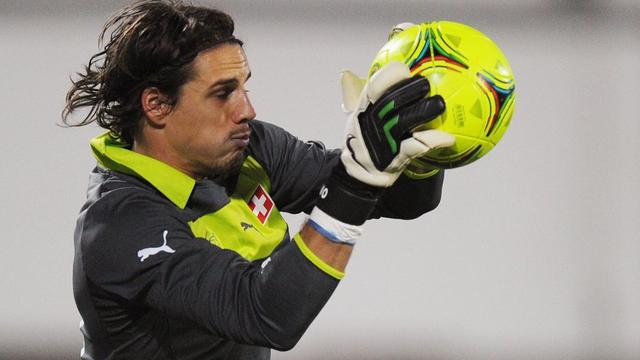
(155, 106)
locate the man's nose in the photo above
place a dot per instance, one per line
(248, 112)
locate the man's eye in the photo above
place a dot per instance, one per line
(223, 94)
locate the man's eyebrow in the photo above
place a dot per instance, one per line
(228, 82)
(224, 82)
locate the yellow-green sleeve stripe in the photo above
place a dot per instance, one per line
(316, 260)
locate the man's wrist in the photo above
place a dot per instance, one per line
(332, 229)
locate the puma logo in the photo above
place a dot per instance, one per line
(145, 253)
(247, 226)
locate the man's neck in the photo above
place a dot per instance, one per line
(157, 149)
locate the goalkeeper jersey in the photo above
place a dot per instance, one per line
(168, 267)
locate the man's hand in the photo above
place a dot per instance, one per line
(352, 86)
(379, 143)
(380, 140)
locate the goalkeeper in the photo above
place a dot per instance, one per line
(181, 251)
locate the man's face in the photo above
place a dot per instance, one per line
(207, 129)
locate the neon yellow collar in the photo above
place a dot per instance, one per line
(114, 155)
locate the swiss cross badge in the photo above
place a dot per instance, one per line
(261, 204)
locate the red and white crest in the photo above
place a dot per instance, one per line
(261, 204)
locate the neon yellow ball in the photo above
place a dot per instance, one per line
(473, 76)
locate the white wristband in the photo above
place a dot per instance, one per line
(332, 229)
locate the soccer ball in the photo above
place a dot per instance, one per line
(472, 75)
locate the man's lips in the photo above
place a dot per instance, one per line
(241, 138)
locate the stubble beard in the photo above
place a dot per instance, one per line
(223, 170)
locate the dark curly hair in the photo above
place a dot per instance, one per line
(152, 43)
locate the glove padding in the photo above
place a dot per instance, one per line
(380, 140)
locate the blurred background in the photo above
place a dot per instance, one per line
(534, 252)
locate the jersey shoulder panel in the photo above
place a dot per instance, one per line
(125, 234)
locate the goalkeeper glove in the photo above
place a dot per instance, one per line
(380, 140)
(378, 145)
(352, 86)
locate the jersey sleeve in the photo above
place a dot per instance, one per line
(139, 250)
(410, 198)
(298, 170)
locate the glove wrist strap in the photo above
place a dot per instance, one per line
(347, 199)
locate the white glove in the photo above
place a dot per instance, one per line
(380, 140)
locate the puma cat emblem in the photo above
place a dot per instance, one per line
(145, 253)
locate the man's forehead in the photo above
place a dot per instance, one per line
(226, 60)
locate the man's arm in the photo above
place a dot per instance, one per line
(333, 254)
(136, 247)
(410, 198)
(298, 170)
